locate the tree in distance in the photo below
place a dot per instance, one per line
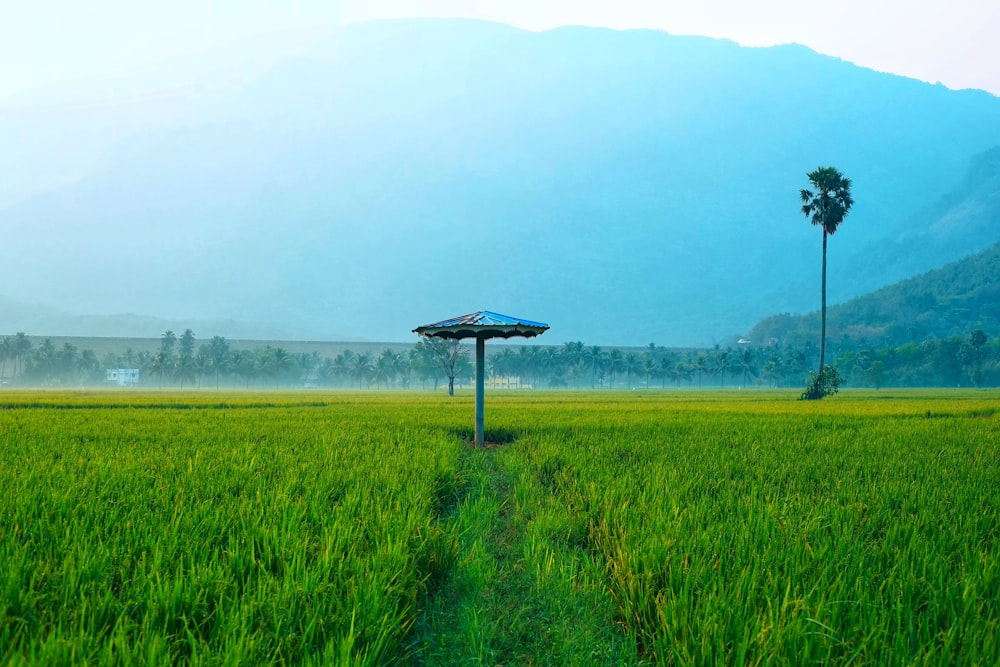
(825, 205)
(447, 353)
(977, 339)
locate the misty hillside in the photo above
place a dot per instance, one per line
(625, 187)
(950, 301)
(960, 222)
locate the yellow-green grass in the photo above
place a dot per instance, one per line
(606, 528)
(181, 528)
(745, 529)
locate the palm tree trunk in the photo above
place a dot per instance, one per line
(822, 327)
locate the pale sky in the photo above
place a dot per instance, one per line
(955, 42)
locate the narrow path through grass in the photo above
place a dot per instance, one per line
(524, 591)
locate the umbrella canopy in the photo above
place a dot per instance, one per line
(485, 324)
(482, 325)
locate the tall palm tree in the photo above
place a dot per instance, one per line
(699, 366)
(186, 343)
(44, 360)
(682, 372)
(633, 366)
(167, 343)
(89, 365)
(342, 364)
(185, 369)
(977, 339)
(6, 352)
(723, 364)
(503, 364)
(616, 362)
(158, 365)
(275, 361)
(594, 357)
(244, 364)
(361, 368)
(573, 359)
(221, 356)
(385, 367)
(826, 205)
(528, 363)
(21, 348)
(747, 363)
(67, 359)
(649, 365)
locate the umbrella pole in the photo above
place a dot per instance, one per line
(480, 382)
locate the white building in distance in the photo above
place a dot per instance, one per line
(123, 377)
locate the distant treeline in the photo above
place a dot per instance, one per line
(182, 361)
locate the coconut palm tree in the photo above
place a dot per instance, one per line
(401, 369)
(385, 367)
(43, 360)
(186, 343)
(682, 372)
(275, 362)
(159, 365)
(825, 205)
(977, 339)
(185, 369)
(528, 362)
(573, 359)
(218, 352)
(89, 365)
(616, 363)
(6, 352)
(649, 365)
(66, 360)
(244, 364)
(724, 363)
(594, 358)
(633, 366)
(342, 364)
(362, 369)
(505, 365)
(699, 366)
(746, 361)
(21, 348)
(168, 341)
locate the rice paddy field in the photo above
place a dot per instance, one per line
(614, 528)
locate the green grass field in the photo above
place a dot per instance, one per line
(613, 528)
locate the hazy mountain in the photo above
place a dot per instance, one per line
(23, 316)
(625, 187)
(950, 301)
(958, 223)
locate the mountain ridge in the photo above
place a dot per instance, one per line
(623, 186)
(953, 300)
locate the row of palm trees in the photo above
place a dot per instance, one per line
(216, 361)
(571, 365)
(577, 365)
(14, 350)
(183, 362)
